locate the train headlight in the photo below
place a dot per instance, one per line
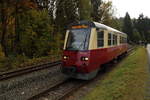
(65, 57)
(84, 58)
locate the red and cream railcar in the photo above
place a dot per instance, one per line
(88, 45)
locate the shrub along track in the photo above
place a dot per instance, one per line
(62, 90)
(18, 73)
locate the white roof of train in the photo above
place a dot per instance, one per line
(99, 25)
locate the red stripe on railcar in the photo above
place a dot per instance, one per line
(96, 58)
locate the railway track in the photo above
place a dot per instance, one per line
(15, 73)
(11, 74)
(62, 90)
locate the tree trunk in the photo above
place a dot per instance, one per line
(17, 35)
(4, 31)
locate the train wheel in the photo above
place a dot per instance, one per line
(115, 60)
(103, 68)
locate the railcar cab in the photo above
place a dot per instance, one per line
(76, 55)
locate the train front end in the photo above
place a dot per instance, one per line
(76, 54)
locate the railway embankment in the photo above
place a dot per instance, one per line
(126, 82)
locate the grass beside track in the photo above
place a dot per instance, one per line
(14, 63)
(125, 82)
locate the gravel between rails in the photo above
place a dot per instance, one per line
(26, 86)
(61, 90)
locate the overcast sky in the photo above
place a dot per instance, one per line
(134, 7)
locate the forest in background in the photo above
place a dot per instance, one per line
(36, 28)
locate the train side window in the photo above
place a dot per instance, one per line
(120, 39)
(100, 39)
(109, 39)
(113, 39)
(124, 40)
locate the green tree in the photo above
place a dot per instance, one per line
(127, 26)
(142, 24)
(96, 10)
(4, 15)
(66, 13)
(85, 9)
(8, 20)
(106, 12)
(136, 36)
(35, 36)
(20, 6)
(48, 5)
(116, 23)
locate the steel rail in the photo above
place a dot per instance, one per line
(22, 71)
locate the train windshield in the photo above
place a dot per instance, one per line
(78, 39)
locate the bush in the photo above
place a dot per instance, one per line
(11, 62)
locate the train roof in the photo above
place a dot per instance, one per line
(95, 24)
(99, 25)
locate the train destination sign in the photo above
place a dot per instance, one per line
(79, 26)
